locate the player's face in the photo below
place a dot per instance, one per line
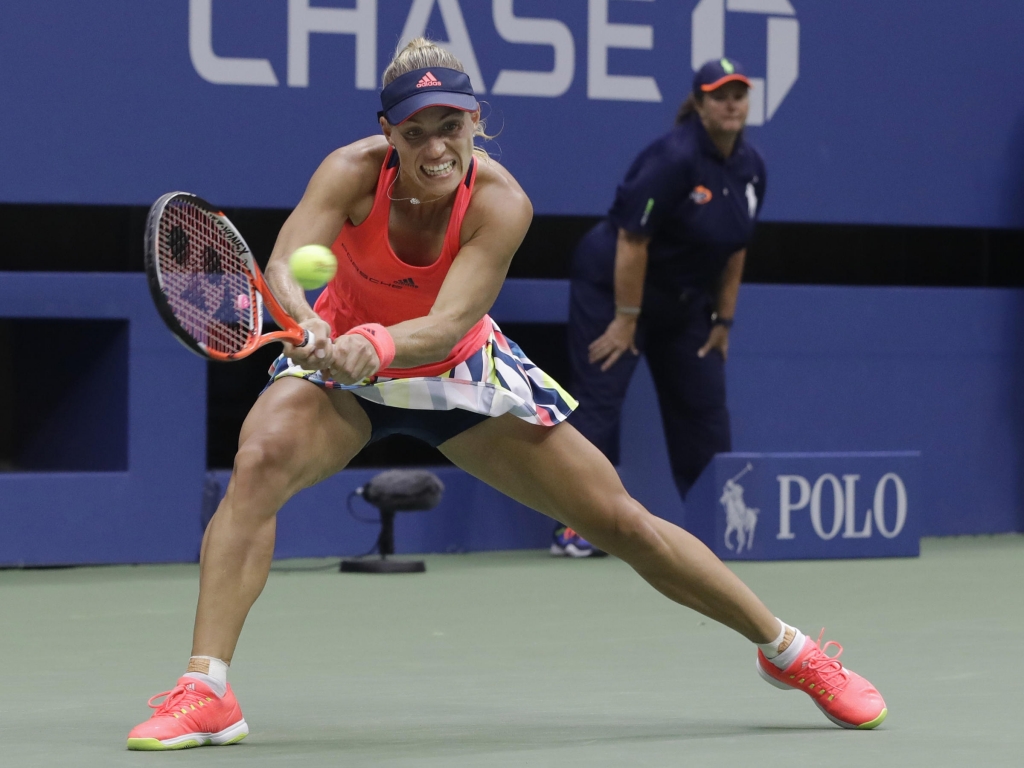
(724, 110)
(435, 147)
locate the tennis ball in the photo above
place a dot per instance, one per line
(313, 265)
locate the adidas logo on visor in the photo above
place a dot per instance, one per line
(428, 80)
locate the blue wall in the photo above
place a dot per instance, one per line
(811, 369)
(146, 513)
(873, 111)
(874, 369)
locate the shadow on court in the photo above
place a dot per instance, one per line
(520, 736)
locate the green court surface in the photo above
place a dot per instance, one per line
(516, 659)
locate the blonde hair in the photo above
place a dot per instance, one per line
(421, 53)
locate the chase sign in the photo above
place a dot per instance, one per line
(241, 100)
(779, 506)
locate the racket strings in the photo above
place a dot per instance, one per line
(206, 282)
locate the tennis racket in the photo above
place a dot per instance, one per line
(206, 284)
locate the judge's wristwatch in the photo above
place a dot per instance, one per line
(717, 319)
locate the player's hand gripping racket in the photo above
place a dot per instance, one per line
(206, 283)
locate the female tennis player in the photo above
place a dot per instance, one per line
(424, 227)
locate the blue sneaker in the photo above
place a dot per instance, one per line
(568, 543)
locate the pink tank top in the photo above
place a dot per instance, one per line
(373, 285)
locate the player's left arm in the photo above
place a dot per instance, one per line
(498, 220)
(469, 291)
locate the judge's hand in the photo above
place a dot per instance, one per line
(617, 339)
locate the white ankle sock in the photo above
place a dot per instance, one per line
(788, 656)
(211, 671)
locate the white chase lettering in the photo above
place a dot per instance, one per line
(303, 20)
(221, 70)
(516, 29)
(783, 44)
(458, 34)
(603, 36)
(361, 21)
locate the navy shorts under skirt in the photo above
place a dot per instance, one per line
(433, 427)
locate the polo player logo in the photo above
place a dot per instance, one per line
(738, 516)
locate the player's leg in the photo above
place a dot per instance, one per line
(557, 472)
(295, 435)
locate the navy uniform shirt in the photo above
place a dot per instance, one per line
(697, 207)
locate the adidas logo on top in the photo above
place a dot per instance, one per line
(407, 281)
(428, 80)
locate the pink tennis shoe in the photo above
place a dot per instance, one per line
(191, 715)
(846, 698)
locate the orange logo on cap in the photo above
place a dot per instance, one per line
(701, 195)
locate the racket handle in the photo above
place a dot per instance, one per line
(308, 340)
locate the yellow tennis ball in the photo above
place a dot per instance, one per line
(313, 266)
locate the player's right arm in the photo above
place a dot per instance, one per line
(340, 189)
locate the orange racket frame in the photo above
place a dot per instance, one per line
(206, 284)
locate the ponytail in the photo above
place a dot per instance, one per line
(687, 108)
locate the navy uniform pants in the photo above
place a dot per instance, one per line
(691, 390)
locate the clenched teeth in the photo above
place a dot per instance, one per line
(438, 170)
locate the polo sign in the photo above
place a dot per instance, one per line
(778, 506)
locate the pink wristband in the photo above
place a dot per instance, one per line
(381, 340)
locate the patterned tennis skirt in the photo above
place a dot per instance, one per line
(497, 379)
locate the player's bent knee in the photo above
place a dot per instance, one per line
(263, 462)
